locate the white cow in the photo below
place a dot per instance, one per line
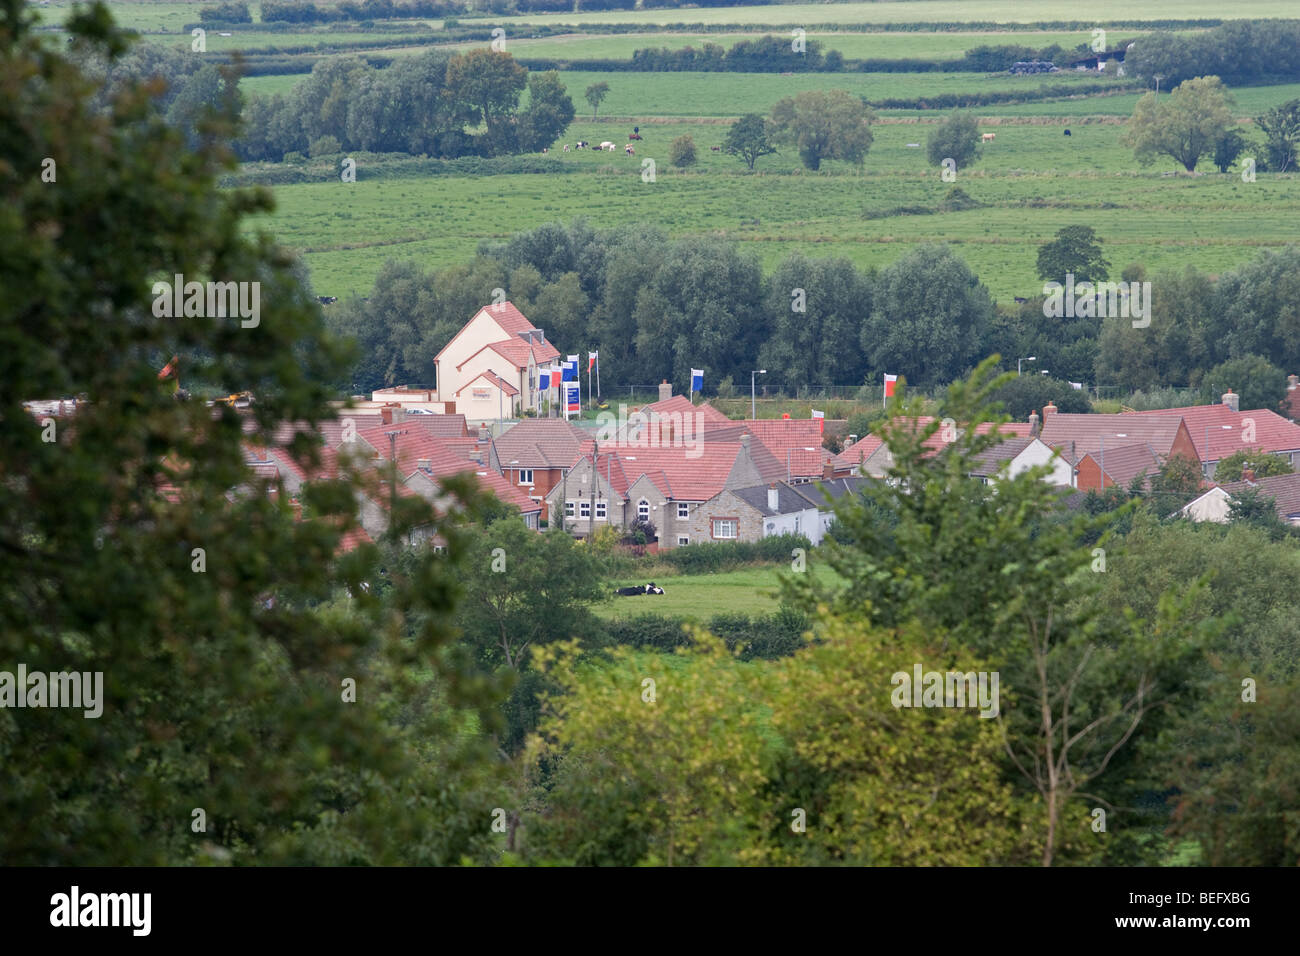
(988, 137)
(607, 146)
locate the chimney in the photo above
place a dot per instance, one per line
(425, 464)
(1033, 424)
(297, 509)
(773, 499)
(1248, 474)
(665, 391)
(1232, 400)
(483, 432)
(744, 442)
(386, 415)
(1048, 409)
(1292, 382)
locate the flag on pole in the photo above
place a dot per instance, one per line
(821, 421)
(697, 380)
(890, 382)
(591, 360)
(572, 400)
(571, 369)
(543, 379)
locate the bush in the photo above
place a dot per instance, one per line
(713, 556)
(325, 146)
(682, 152)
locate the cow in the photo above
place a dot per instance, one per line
(607, 145)
(1067, 132)
(581, 144)
(988, 137)
(545, 150)
(566, 147)
(715, 149)
(654, 590)
(635, 136)
(629, 150)
(628, 592)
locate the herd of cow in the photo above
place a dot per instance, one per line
(639, 589)
(606, 146)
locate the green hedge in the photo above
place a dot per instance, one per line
(723, 555)
(760, 637)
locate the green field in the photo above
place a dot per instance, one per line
(700, 596)
(1032, 179)
(1102, 12)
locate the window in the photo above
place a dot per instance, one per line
(683, 540)
(531, 521)
(584, 509)
(600, 508)
(569, 509)
(796, 524)
(683, 510)
(525, 476)
(724, 527)
(643, 509)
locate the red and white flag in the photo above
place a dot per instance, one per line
(890, 382)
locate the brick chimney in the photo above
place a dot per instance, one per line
(1292, 382)
(1048, 409)
(1248, 474)
(1033, 424)
(386, 414)
(1232, 400)
(665, 390)
(773, 498)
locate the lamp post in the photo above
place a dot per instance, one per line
(788, 453)
(1027, 358)
(753, 404)
(1226, 428)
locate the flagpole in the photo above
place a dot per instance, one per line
(597, 376)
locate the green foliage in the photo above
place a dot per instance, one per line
(709, 556)
(1281, 129)
(1262, 463)
(1257, 381)
(956, 138)
(1030, 392)
(681, 152)
(594, 94)
(1075, 251)
(1184, 125)
(221, 684)
(824, 124)
(747, 138)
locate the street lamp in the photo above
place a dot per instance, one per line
(788, 453)
(1027, 358)
(1226, 428)
(753, 406)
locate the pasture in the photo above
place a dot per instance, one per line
(700, 596)
(1031, 181)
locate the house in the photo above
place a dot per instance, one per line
(1016, 455)
(1082, 434)
(1214, 505)
(488, 370)
(536, 453)
(1221, 430)
(1118, 467)
(775, 508)
(616, 484)
(674, 419)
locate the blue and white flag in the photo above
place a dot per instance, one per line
(697, 380)
(543, 379)
(571, 370)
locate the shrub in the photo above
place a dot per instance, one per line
(682, 152)
(325, 146)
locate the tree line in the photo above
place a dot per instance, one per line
(1240, 52)
(436, 104)
(656, 307)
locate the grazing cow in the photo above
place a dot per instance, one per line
(629, 150)
(607, 145)
(566, 147)
(635, 136)
(545, 150)
(988, 137)
(1067, 132)
(582, 144)
(715, 149)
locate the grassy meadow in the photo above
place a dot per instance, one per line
(700, 596)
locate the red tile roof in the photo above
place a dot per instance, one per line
(541, 443)
(682, 405)
(786, 439)
(449, 426)
(1089, 432)
(1124, 463)
(683, 474)
(859, 451)
(1273, 433)
(1283, 489)
(495, 379)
